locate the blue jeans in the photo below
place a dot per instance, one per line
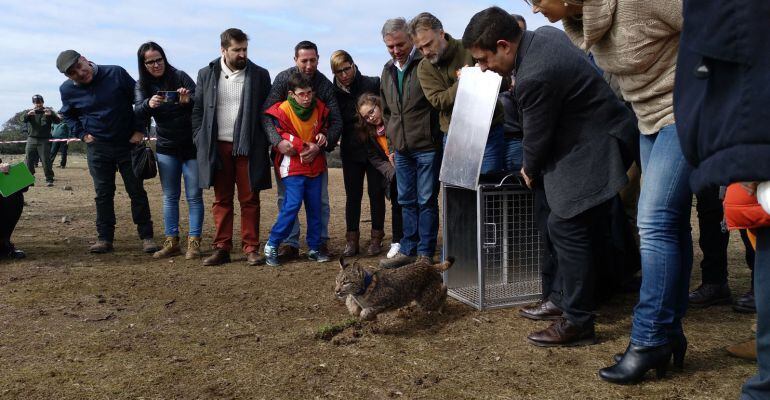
(494, 152)
(758, 386)
(665, 201)
(513, 155)
(171, 169)
(418, 187)
(293, 238)
(296, 190)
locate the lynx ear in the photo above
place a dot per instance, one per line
(342, 262)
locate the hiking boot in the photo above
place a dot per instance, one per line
(398, 260)
(317, 255)
(193, 248)
(100, 247)
(149, 246)
(254, 258)
(394, 249)
(710, 294)
(287, 253)
(271, 256)
(220, 256)
(170, 248)
(375, 246)
(351, 243)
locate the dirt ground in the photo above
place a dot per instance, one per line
(124, 326)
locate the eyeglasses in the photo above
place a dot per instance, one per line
(157, 61)
(344, 70)
(304, 95)
(370, 113)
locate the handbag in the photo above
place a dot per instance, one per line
(143, 161)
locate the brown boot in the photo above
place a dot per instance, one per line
(193, 248)
(744, 350)
(100, 247)
(220, 256)
(375, 246)
(170, 248)
(351, 245)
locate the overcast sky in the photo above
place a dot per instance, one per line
(110, 32)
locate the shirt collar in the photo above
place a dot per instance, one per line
(408, 60)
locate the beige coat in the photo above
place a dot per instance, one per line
(637, 41)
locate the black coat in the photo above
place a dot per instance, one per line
(351, 148)
(577, 135)
(173, 121)
(204, 124)
(722, 112)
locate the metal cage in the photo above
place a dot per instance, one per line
(493, 236)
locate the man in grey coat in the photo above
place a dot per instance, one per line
(577, 145)
(232, 148)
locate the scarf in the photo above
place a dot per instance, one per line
(302, 112)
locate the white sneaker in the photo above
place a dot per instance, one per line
(394, 248)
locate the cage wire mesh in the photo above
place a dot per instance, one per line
(510, 250)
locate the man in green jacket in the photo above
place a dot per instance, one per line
(60, 131)
(39, 121)
(439, 74)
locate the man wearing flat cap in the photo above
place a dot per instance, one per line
(97, 104)
(39, 121)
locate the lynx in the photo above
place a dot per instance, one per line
(371, 292)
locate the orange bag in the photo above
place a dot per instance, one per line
(742, 210)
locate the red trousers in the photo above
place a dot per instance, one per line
(234, 172)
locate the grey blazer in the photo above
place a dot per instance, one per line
(577, 135)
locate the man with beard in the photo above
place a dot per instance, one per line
(306, 60)
(98, 105)
(439, 73)
(232, 148)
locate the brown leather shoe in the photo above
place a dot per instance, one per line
(563, 333)
(254, 258)
(745, 350)
(351, 243)
(375, 245)
(220, 256)
(100, 247)
(542, 311)
(288, 253)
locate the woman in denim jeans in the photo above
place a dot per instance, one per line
(637, 41)
(165, 94)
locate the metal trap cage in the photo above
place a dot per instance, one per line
(493, 236)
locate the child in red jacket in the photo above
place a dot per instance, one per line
(302, 120)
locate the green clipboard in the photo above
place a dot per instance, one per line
(18, 178)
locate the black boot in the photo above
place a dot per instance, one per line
(678, 345)
(636, 361)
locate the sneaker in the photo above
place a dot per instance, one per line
(317, 255)
(271, 256)
(394, 248)
(149, 246)
(398, 260)
(101, 247)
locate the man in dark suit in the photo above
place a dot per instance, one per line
(576, 136)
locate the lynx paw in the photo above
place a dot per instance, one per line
(368, 314)
(352, 306)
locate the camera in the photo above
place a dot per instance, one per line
(39, 110)
(169, 96)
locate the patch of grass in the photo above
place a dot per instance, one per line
(328, 331)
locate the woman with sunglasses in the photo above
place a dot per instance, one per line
(165, 94)
(370, 129)
(637, 41)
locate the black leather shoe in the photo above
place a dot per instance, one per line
(678, 349)
(635, 363)
(563, 333)
(745, 303)
(542, 311)
(710, 294)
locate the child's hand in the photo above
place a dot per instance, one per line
(320, 139)
(5, 167)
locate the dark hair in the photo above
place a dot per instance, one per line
(489, 26)
(363, 128)
(305, 45)
(168, 81)
(521, 19)
(298, 81)
(232, 34)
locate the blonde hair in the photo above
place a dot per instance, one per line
(338, 58)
